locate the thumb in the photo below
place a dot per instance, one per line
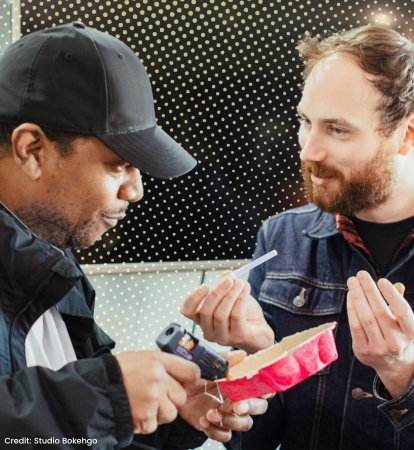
(234, 357)
(400, 288)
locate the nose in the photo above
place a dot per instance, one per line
(312, 145)
(132, 189)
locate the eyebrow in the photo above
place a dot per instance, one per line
(334, 121)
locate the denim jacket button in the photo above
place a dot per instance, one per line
(396, 415)
(357, 393)
(298, 301)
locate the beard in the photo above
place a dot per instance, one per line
(53, 226)
(368, 186)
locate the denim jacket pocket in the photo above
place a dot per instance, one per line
(293, 303)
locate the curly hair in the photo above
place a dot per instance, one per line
(379, 51)
(63, 139)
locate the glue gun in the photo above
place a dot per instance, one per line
(177, 340)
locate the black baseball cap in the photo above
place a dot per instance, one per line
(77, 79)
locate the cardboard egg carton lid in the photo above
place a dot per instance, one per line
(282, 365)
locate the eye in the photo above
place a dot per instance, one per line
(337, 131)
(304, 121)
(118, 166)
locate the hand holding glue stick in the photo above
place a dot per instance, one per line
(228, 314)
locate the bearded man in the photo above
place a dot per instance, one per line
(345, 257)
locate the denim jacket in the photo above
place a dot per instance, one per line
(303, 287)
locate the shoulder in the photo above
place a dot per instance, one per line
(306, 220)
(308, 214)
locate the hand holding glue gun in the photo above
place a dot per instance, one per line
(206, 409)
(228, 314)
(216, 415)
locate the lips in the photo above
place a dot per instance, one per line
(118, 217)
(113, 219)
(319, 174)
(320, 181)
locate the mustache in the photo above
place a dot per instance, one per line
(319, 170)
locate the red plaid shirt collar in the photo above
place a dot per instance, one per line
(347, 227)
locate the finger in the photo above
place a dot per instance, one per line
(146, 426)
(401, 309)
(145, 418)
(369, 305)
(400, 288)
(216, 295)
(176, 391)
(214, 431)
(181, 369)
(224, 309)
(252, 407)
(234, 357)
(191, 305)
(236, 423)
(375, 299)
(167, 411)
(230, 421)
(239, 315)
(357, 330)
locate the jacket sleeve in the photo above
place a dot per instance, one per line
(85, 400)
(400, 410)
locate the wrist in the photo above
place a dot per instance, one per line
(395, 383)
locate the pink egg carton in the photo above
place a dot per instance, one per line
(283, 365)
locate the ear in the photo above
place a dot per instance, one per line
(407, 143)
(29, 143)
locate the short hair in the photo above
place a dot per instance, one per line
(63, 139)
(380, 51)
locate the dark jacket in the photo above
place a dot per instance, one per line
(85, 399)
(337, 409)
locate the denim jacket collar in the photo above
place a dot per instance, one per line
(324, 227)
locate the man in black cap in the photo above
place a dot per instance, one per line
(77, 125)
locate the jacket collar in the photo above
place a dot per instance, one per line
(27, 259)
(325, 226)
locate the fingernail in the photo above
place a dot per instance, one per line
(239, 283)
(227, 282)
(362, 275)
(202, 287)
(383, 283)
(242, 408)
(352, 283)
(204, 422)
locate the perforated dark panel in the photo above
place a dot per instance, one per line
(225, 76)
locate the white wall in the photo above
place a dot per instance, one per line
(9, 22)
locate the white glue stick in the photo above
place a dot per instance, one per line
(254, 263)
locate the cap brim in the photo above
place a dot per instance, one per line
(152, 151)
